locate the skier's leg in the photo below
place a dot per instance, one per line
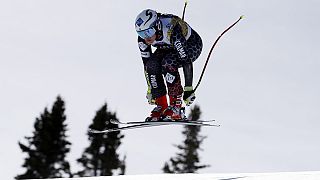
(171, 74)
(170, 71)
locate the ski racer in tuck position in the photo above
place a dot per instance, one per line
(177, 46)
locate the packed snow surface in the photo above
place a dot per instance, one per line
(315, 175)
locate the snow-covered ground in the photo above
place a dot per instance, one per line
(315, 175)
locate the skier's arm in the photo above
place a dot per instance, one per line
(188, 74)
(145, 51)
(180, 44)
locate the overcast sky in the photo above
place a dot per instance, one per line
(261, 84)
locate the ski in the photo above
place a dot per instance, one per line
(148, 124)
(94, 131)
(183, 121)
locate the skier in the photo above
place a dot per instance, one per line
(177, 46)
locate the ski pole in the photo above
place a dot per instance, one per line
(214, 44)
(184, 9)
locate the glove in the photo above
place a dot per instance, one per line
(151, 100)
(188, 95)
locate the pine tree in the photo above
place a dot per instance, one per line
(48, 146)
(187, 160)
(101, 157)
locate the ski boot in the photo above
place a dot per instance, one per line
(156, 113)
(175, 111)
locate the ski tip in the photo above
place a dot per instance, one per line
(92, 131)
(114, 121)
(241, 17)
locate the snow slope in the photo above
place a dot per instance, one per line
(244, 176)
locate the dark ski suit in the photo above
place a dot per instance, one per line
(177, 45)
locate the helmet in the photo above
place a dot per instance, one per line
(145, 23)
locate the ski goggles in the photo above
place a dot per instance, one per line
(148, 33)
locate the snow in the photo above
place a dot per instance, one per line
(312, 175)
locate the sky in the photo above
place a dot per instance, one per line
(261, 84)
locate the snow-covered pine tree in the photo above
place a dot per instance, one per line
(48, 146)
(187, 160)
(101, 157)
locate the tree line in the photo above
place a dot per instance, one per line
(48, 147)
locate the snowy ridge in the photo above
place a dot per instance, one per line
(312, 175)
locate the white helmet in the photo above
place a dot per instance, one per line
(145, 23)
